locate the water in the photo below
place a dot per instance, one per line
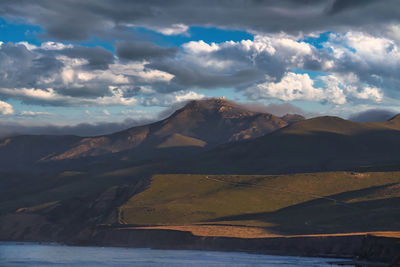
(33, 254)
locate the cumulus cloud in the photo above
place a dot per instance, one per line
(70, 76)
(236, 64)
(297, 87)
(372, 60)
(5, 108)
(351, 67)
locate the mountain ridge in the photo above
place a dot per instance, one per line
(317, 144)
(208, 122)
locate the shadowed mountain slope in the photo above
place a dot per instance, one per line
(199, 125)
(323, 143)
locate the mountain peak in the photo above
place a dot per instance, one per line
(211, 102)
(221, 106)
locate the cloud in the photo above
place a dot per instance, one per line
(5, 108)
(67, 76)
(74, 20)
(50, 97)
(353, 67)
(169, 99)
(339, 6)
(97, 57)
(235, 64)
(296, 87)
(143, 51)
(373, 115)
(357, 64)
(29, 113)
(174, 29)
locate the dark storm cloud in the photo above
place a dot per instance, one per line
(97, 57)
(20, 67)
(143, 50)
(373, 115)
(78, 20)
(188, 75)
(342, 5)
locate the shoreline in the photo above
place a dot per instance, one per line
(357, 250)
(369, 250)
(328, 261)
(376, 248)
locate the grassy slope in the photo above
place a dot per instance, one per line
(284, 203)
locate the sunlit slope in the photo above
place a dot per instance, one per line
(299, 203)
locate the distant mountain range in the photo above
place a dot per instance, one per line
(198, 126)
(217, 135)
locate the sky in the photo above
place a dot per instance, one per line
(97, 66)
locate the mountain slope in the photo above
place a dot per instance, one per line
(323, 143)
(21, 151)
(199, 125)
(210, 122)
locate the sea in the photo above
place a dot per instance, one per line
(38, 255)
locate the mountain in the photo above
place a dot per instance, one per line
(19, 152)
(198, 125)
(318, 144)
(104, 190)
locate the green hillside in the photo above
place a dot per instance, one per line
(298, 203)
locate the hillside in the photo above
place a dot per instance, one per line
(318, 144)
(312, 203)
(261, 205)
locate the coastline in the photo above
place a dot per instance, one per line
(366, 249)
(29, 252)
(359, 250)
